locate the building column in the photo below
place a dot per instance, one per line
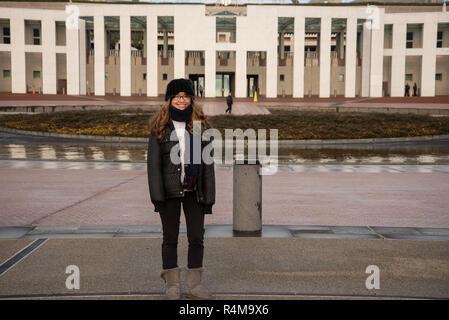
(351, 57)
(298, 58)
(398, 59)
(271, 87)
(165, 45)
(72, 56)
(209, 73)
(281, 45)
(82, 55)
(179, 61)
(341, 45)
(366, 58)
(144, 50)
(180, 52)
(377, 57)
(99, 58)
(240, 73)
(429, 58)
(18, 62)
(325, 57)
(48, 55)
(125, 55)
(152, 57)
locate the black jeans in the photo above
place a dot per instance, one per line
(170, 217)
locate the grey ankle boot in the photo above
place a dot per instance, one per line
(172, 278)
(194, 290)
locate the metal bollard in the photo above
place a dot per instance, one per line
(247, 198)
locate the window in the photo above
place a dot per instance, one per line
(282, 77)
(408, 77)
(6, 35)
(439, 76)
(341, 77)
(409, 43)
(225, 29)
(36, 74)
(144, 76)
(440, 39)
(6, 73)
(36, 37)
(106, 75)
(164, 76)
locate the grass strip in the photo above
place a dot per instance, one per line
(290, 124)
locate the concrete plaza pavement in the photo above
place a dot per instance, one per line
(215, 106)
(321, 232)
(335, 195)
(235, 268)
(323, 225)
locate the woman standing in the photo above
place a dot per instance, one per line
(187, 183)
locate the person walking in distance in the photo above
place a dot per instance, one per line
(185, 182)
(407, 90)
(229, 103)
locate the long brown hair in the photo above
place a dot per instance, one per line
(159, 121)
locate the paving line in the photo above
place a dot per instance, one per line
(218, 294)
(19, 256)
(299, 168)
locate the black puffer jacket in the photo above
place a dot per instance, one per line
(164, 177)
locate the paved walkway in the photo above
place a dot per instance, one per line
(323, 226)
(321, 232)
(235, 268)
(334, 195)
(215, 106)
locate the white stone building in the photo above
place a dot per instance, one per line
(278, 50)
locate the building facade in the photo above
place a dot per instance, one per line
(275, 50)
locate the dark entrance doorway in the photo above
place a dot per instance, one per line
(252, 85)
(62, 86)
(198, 83)
(385, 89)
(224, 83)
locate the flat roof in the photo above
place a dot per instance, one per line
(390, 7)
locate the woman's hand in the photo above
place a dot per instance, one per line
(159, 206)
(207, 208)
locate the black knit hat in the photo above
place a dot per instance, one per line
(178, 85)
